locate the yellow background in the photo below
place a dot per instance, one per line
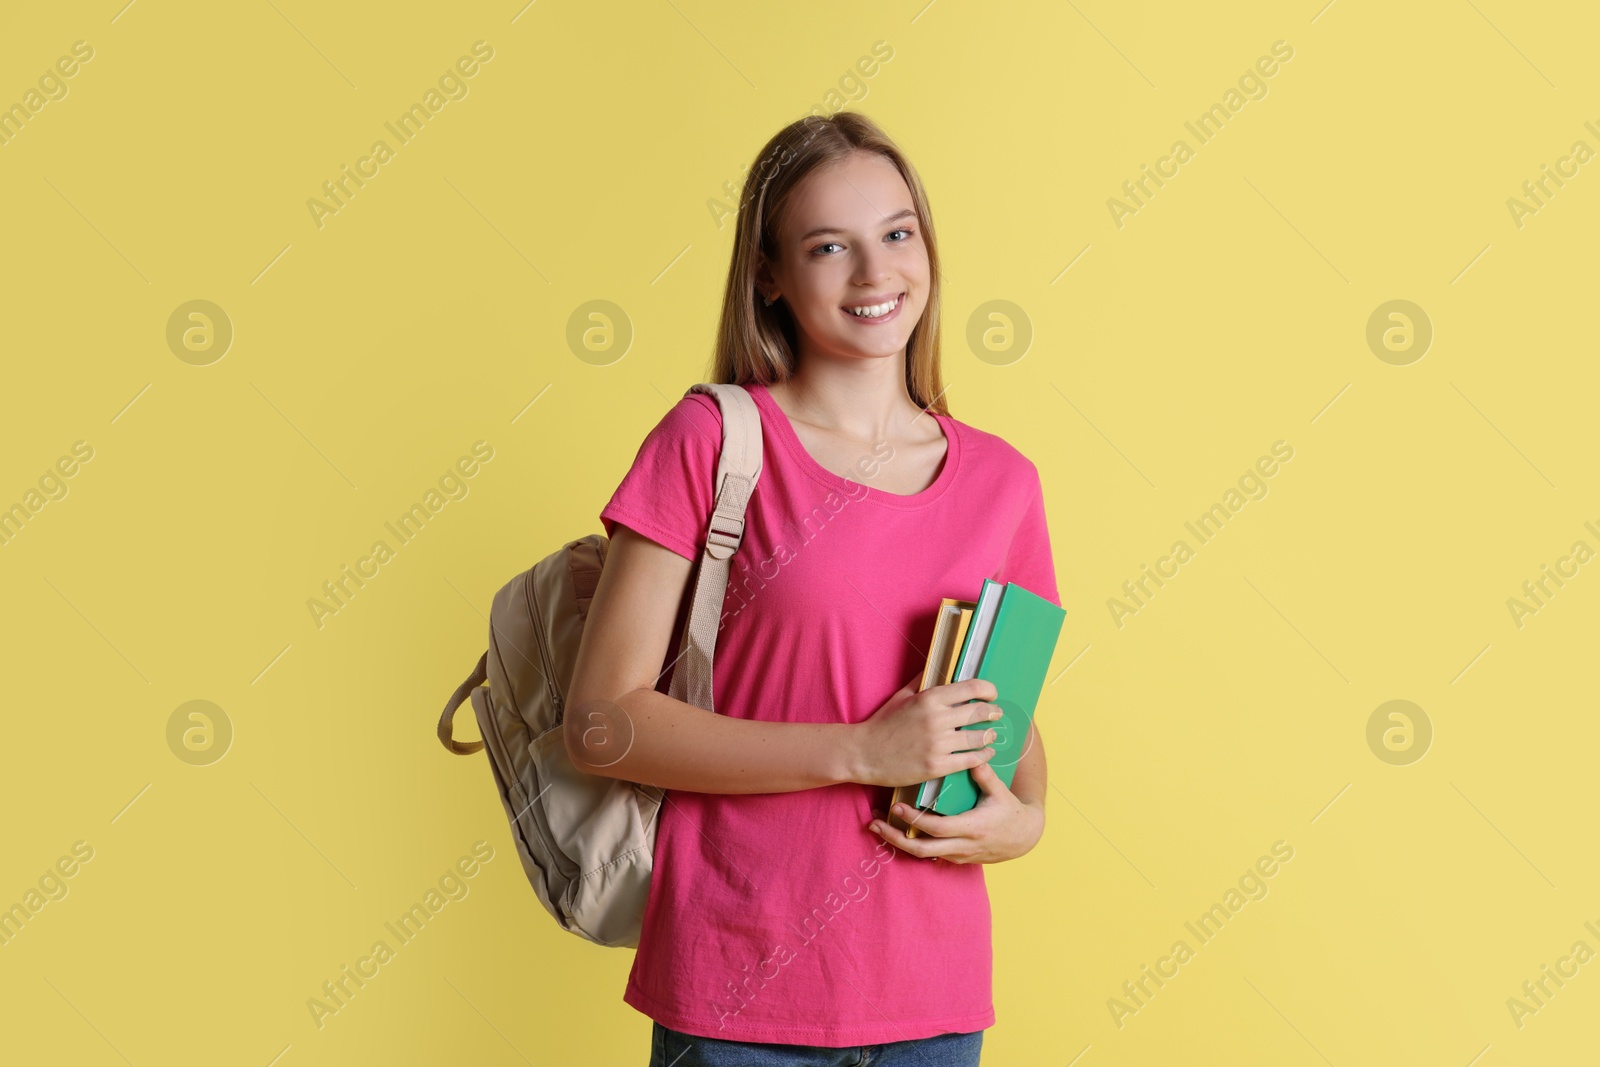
(370, 353)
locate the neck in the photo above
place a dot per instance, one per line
(865, 399)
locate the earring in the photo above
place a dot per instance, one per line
(767, 301)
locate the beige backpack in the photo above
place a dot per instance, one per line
(587, 842)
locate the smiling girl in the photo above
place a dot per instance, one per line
(787, 923)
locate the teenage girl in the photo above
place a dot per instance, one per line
(787, 923)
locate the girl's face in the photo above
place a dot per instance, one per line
(850, 239)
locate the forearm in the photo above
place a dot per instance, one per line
(1031, 779)
(648, 737)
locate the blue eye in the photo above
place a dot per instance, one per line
(909, 233)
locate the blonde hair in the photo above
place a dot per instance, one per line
(757, 342)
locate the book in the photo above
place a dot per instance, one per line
(1010, 641)
(966, 663)
(949, 631)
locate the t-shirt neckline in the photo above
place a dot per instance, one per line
(774, 417)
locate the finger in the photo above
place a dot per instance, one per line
(955, 694)
(978, 689)
(975, 712)
(969, 825)
(964, 761)
(911, 845)
(965, 740)
(989, 782)
(925, 847)
(926, 822)
(961, 758)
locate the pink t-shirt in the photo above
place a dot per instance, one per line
(779, 917)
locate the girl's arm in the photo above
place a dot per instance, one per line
(1032, 777)
(619, 726)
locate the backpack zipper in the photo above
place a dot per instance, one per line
(544, 654)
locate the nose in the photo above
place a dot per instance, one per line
(872, 269)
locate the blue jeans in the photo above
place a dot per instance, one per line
(670, 1048)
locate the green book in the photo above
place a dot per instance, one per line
(1014, 653)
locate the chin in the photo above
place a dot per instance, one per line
(885, 352)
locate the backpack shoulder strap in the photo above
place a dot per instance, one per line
(738, 470)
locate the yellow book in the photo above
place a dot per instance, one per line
(949, 631)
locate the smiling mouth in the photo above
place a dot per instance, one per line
(884, 310)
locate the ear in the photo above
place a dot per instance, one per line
(765, 284)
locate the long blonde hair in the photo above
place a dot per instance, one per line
(757, 342)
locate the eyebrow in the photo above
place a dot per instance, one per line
(820, 230)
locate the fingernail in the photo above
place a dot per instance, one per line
(875, 828)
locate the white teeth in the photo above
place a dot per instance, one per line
(874, 310)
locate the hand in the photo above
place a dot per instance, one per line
(999, 827)
(917, 736)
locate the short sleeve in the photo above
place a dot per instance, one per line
(1029, 561)
(667, 493)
